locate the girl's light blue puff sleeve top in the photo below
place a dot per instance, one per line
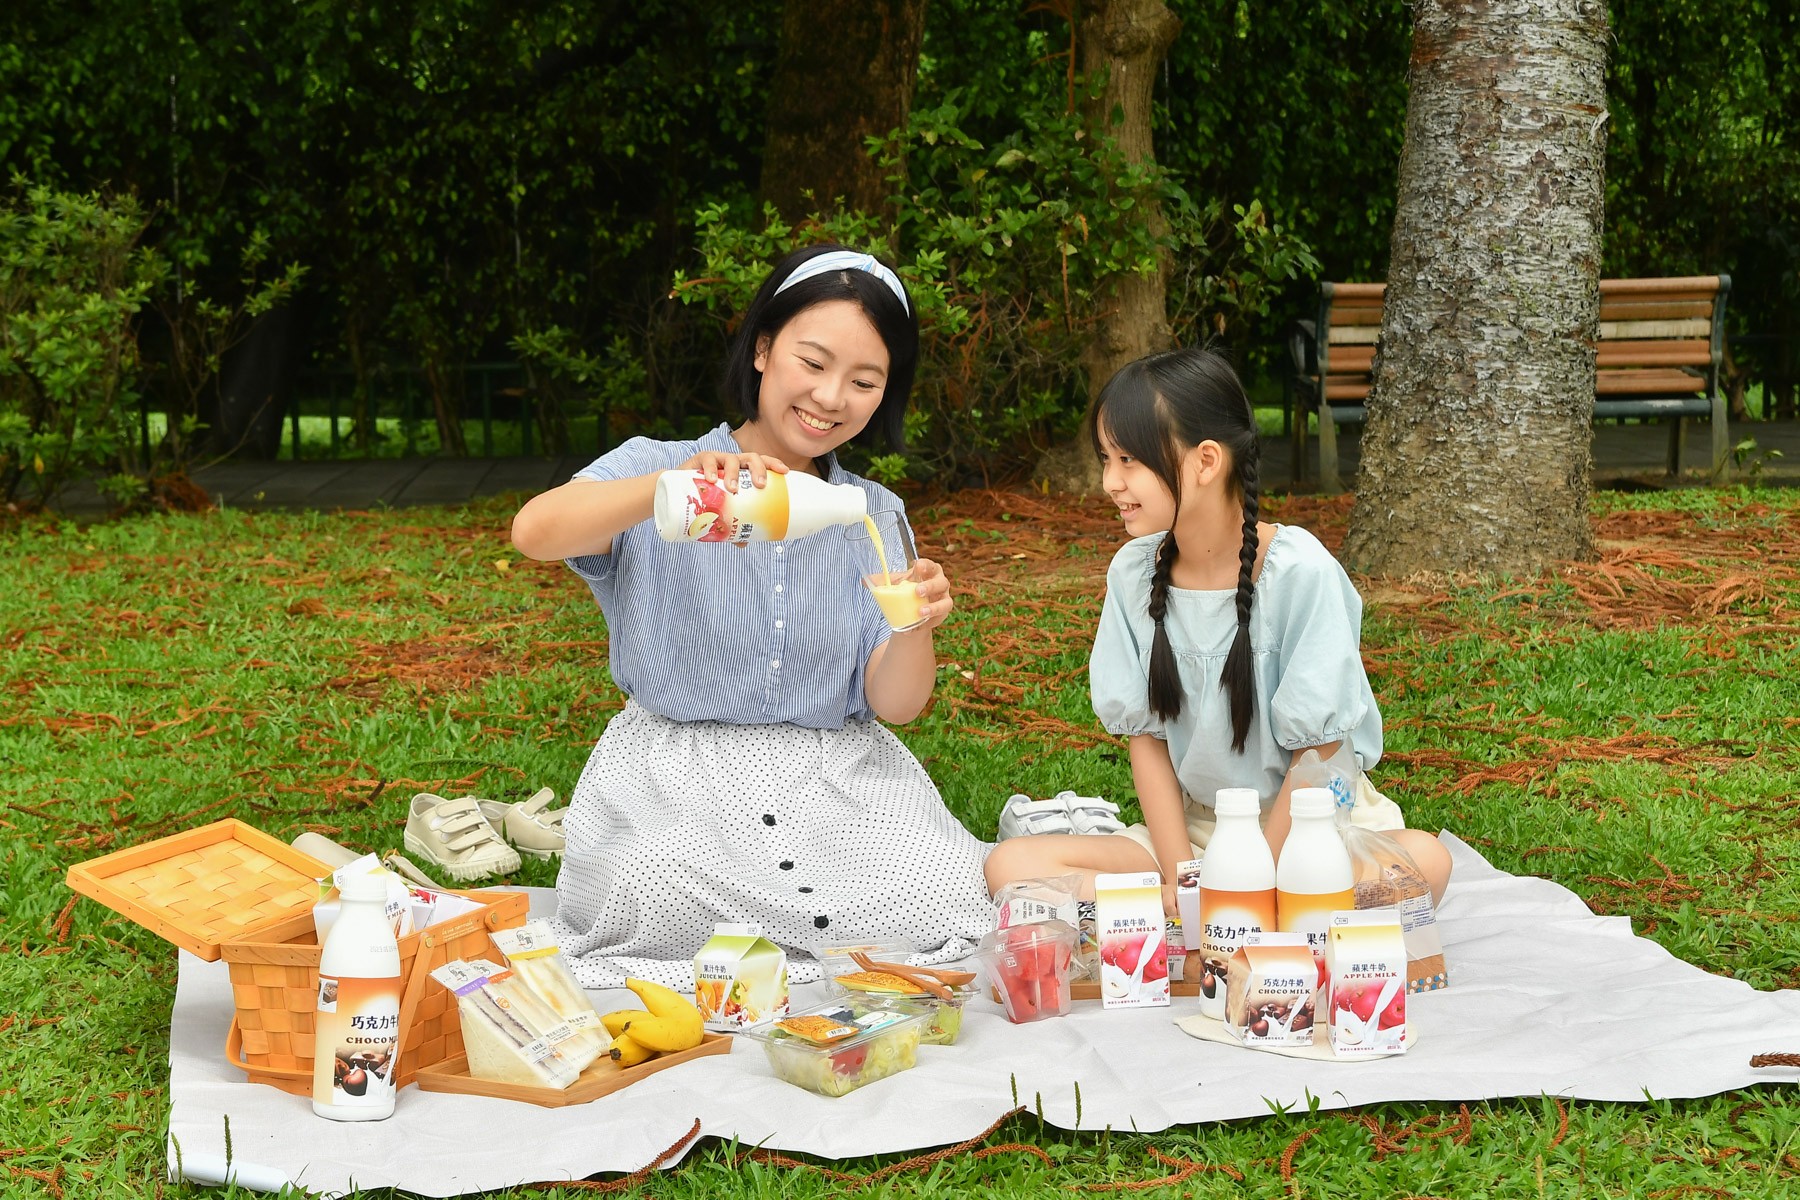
(775, 632)
(1305, 635)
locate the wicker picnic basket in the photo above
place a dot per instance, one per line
(275, 985)
(228, 890)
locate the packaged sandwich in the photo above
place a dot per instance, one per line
(509, 1035)
(532, 953)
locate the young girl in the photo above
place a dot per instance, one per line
(748, 778)
(1227, 647)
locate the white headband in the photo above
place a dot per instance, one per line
(845, 260)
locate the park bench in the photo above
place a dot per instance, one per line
(1660, 345)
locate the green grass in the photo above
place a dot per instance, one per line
(308, 671)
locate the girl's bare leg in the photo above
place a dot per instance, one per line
(1429, 853)
(1047, 855)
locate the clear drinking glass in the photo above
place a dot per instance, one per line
(888, 572)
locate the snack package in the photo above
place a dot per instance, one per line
(1386, 875)
(535, 958)
(506, 1042)
(1029, 901)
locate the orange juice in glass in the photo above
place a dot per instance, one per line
(882, 547)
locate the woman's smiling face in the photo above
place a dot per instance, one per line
(823, 376)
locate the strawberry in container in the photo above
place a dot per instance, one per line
(1030, 966)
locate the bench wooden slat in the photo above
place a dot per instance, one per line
(1646, 383)
(1615, 331)
(1347, 390)
(1354, 335)
(1699, 285)
(1634, 309)
(1655, 354)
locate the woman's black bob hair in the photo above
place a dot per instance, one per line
(769, 312)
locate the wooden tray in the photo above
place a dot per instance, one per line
(600, 1079)
(206, 885)
(1089, 989)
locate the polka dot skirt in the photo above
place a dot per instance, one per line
(817, 835)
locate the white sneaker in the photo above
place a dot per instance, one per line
(456, 839)
(1024, 817)
(532, 826)
(1091, 814)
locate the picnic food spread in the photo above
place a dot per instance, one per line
(330, 968)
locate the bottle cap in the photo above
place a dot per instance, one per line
(369, 885)
(1237, 802)
(1311, 802)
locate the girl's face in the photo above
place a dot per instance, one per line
(823, 376)
(1145, 502)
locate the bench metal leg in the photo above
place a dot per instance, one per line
(1721, 440)
(1328, 454)
(1675, 447)
(1298, 442)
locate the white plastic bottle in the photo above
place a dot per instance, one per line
(1314, 877)
(1237, 890)
(356, 1035)
(690, 507)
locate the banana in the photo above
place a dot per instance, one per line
(615, 1022)
(674, 1023)
(629, 1052)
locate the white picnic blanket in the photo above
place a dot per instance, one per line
(1545, 998)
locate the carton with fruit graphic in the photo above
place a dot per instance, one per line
(740, 979)
(1365, 960)
(1269, 991)
(1134, 948)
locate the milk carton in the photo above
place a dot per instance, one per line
(740, 979)
(1269, 990)
(1365, 960)
(1133, 936)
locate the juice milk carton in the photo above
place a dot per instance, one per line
(1187, 906)
(1134, 948)
(740, 979)
(1269, 990)
(1365, 958)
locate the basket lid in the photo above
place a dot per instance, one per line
(206, 886)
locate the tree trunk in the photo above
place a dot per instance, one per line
(1477, 451)
(845, 72)
(1126, 40)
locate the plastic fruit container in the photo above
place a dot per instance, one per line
(1030, 966)
(943, 1017)
(887, 1044)
(945, 1022)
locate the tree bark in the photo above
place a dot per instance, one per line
(1126, 40)
(845, 72)
(1477, 451)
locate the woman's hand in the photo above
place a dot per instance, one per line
(727, 467)
(934, 591)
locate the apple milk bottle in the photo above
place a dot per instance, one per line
(691, 507)
(1313, 877)
(356, 1034)
(1237, 890)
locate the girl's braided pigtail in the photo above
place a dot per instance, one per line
(1238, 677)
(1165, 677)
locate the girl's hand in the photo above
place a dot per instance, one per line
(1170, 907)
(725, 467)
(934, 590)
